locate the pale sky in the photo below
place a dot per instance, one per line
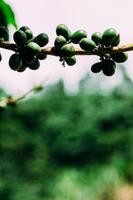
(45, 15)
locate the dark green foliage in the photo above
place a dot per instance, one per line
(4, 33)
(48, 133)
(87, 44)
(78, 35)
(7, 14)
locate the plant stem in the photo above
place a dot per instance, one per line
(78, 51)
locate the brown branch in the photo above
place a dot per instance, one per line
(78, 51)
(8, 46)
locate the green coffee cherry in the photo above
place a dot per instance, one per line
(97, 38)
(63, 30)
(41, 56)
(29, 34)
(15, 62)
(35, 65)
(42, 39)
(59, 42)
(22, 68)
(108, 67)
(87, 44)
(4, 33)
(119, 57)
(27, 31)
(20, 38)
(109, 36)
(116, 41)
(78, 35)
(71, 61)
(33, 48)
(24, 28)
(28, 59)
(67, 51)
(97, 67)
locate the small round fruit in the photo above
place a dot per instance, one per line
(15, 62)
(119, 57)
(20, 38)
(35, 65)
(63, 30)
(86, 44)
(4, 33)
(29, 34)
(97, 37)
(59, 41)
(96, 68)
(78, 35)
(42, 56)
(24, 28)
(28, 59)
(108, 67)
(71, 61)
(109, 36)
(33, 48)
(67, 51)
(22, 68)
(42, 39)
(116, 41)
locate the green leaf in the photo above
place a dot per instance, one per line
(7, 15)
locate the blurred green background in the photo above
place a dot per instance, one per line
(57, 146)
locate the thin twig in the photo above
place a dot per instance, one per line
(78, 51)
(11, 101)
(107, 50)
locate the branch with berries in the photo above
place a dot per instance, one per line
(30, 50)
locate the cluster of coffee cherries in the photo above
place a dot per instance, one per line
(28, 52)
(4, 35)
(63, 47)
(28, 49)
(109, 38)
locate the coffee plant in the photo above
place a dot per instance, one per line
(29, 49)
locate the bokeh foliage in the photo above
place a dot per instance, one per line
(54, 137)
